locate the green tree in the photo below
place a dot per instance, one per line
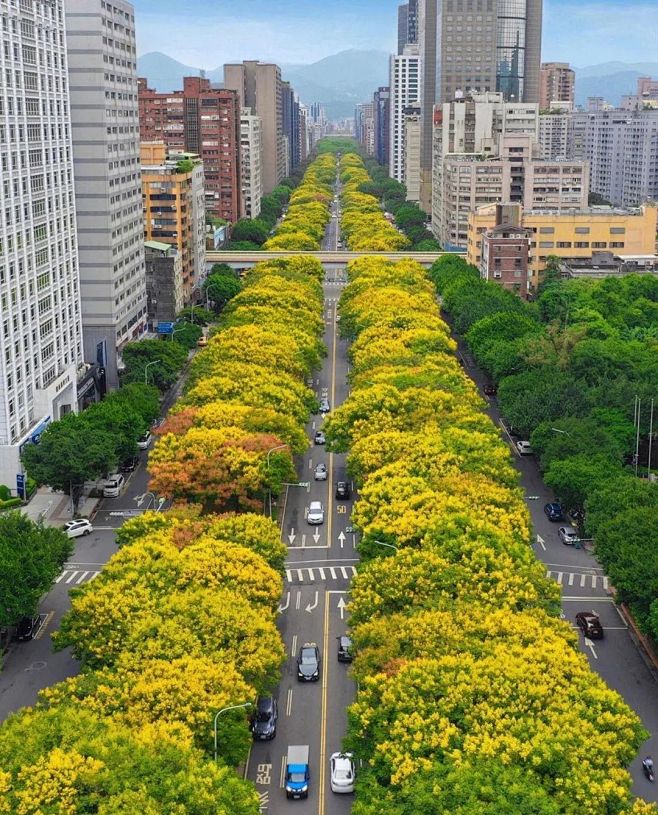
(410, 215)
(187, 334)
(540, 395)
(118, 420)
(572, 479)
(255, 231)
(221, 288)
(145, 400)
(197, 314)
(169, 358)
(31, 557)
(70, 452)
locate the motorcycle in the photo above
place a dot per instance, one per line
(648, 771)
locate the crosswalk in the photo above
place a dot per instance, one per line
(579, 579)
(311, 574)
(75, 575)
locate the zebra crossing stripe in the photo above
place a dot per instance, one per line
(311, 574)
(586, 580)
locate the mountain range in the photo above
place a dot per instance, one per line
(339, 81)
(342, 80)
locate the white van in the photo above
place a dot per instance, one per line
(113, 486)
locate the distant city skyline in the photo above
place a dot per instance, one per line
(582, 33)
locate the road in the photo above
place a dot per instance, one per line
(321, 562)
(31, 666)
(616, 658)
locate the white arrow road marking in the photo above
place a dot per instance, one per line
(341, 607)
(287, 603)
(316, 536)
(540, 541)
(310, 606)
(292, 536)
(341, 539)
(590, 645)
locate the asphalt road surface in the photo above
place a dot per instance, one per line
(321, 562)
(585, 587)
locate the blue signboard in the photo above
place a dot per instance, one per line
(165, 328)
(20, 485)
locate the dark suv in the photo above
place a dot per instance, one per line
(342, 490)
(263, 724)
(27, 627)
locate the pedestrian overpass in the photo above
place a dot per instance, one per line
(245, 260)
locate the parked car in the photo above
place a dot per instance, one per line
(321, 472)
(129, 465)
(144, 441)
(308, 663)
(319, 437)
(342, 490)
(113, 486)
(490, 390)
(27, 627)
(315, 513)
(78, 527)
(590, 624)
(524, 448)
(344, 648)
(568, 535)
(554, 512)
(342, 772)
(263, 724)
(325, 407)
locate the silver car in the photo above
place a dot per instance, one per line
(342, 772)
(321, 472)
(315, 513)
(325, 407)
(568, 535)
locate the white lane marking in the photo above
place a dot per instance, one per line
(284, 761)
(298, 602)
(289, 703)
(293, 647)
(571, 578)
(70, 579)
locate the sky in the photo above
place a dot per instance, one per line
(207, 33)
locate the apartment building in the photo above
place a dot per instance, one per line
(412, 134)
(557, 83)
(405, 100)
(258, 86)
(364, 126)
(570, 234)
(102, 65)
(205, 121)
(164, 282)
(252, 163)
(41, 333)
(174, 208)
(556, 133)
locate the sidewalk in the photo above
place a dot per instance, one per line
(54, 508)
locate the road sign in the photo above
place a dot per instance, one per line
(305, 484)
(20, 485)
(165, 328)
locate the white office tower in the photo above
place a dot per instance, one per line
(40, 339)
(102, 60)
(251, 164)
(405, 101)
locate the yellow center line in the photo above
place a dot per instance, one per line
(323, 723)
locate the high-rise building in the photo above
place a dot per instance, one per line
(470, 45)
(364, 126)
(382, 117)
(290, 115)
(203, 120)
(405, 99)
(41, 334)
(102, 65)
(556, 131)
(259, 87)
(486, 150)
(174, 208)
(164, 282)
(556, 84)
(251, 164)
(407, 24)
(412, 156)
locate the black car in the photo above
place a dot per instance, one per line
(490, 390)
(590, 624)
(27, 627)
(308, 663)
(263, 724)
(342, 490)
(344, 648)
(554, 512)
(128, 465)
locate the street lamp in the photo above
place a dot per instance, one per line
(563, 432)
(146, 369)
(223, 710)
(390, 545)
(269, 453)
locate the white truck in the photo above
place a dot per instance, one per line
(297, 771)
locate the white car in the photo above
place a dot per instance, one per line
(321, 472)
(342, 772)
(568, 535)
(325, 407)
(524, 448)
(113, 486)
(315, 513)
(79, 527)
(144, 441)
